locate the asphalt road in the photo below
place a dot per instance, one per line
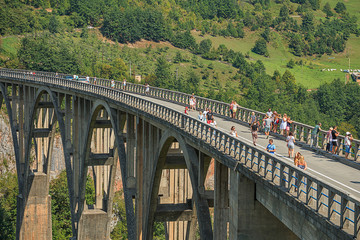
(326, 169)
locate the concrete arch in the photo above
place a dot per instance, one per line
(59, 119)
(120, 146)
(192, 165)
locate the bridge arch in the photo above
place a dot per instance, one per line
(52, 102)
(192, 165)
(114, 121)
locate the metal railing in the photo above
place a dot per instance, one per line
(330, 202)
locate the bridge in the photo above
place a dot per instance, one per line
(164, 156)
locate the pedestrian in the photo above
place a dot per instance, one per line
(348, 140)
(213, 122)
(252, 119)
(192, 103)
(296, 158)
(288, 125)
(186, 110)
(87, 79)
(302, 163)
(267, 120)
(147, 89)
(124, 84)
(233, 132)
(290, 144)
(276, 121)
(231, 109)
(329, 140)
(94, 80)
(283, 124)
(335, 144)
(209, 116)
(314, 135)
(254, 131)
(271, 147)
(205, 114)
(112, 83)
(56, 75)
(235, 107)
(201, 116)
(269, 113)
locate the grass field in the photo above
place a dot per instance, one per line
(10, 45)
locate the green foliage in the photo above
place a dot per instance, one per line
(54, 25)
(205, 46)
(260, 47)
(120, 229)
(340, 7)
(327, 10)
(133, 24)
(8, 198)
(291, 64)
(162, 73)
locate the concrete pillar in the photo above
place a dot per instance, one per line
(248, 219)
(92, 225)
(36, 221)
(130, 150)
(139, 177)
(221, 200)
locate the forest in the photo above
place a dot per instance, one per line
(92, 37)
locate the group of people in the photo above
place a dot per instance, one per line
(207, 116)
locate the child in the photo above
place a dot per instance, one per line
(186, 110)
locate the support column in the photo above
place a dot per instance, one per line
(221, 201)
(36, 222)
(139, 177)
(248, 218)
(130, 150)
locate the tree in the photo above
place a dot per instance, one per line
(54, 25)
(284, 12)
(205, 46)
(291, 64)
(308, 22)
(340, 8)
(260, 47)
(327, 10)
(162, 72)
(266, 34)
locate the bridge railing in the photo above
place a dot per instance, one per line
(329, 202)
(302, 132)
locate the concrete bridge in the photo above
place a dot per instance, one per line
(256, 195)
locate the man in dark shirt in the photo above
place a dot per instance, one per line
(254, 128)
(335, 144)
(209, 116)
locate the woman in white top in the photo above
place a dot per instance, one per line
(233, 132)
(283, 124)
(201, 116)
(348, 139)
(290, 144)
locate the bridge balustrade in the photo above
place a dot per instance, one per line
(333, 204)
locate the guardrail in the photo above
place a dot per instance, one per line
(330, 202)
(301, 132)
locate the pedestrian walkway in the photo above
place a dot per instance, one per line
(329, 170)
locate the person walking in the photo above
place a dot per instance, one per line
(302, 163)
(233, 132)
(94, 80)
(87, 79)
(335, 144)
(252, 119)
(283, 125)
(147, 89)
(288, 125)
(267, 121)
(231, 108)
(269, 113)
(271, 147)
(254, 131)
(314, 135)
(276, 122)
(112, 83)
(290, 144)
(348, 140)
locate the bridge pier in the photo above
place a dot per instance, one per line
(249, 219)
(36, 220)
(221, 201)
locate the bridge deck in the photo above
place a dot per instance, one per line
(328, 170)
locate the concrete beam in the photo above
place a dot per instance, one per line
(45, 105)
(173, 212)
(100, 159)
(41, 132)
(103, 124)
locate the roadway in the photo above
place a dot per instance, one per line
(328, 170)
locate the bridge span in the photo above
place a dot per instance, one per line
(256, 195)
